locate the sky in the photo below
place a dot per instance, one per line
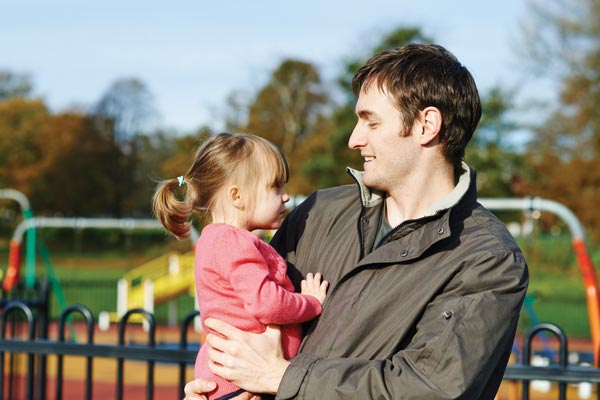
(192, 54)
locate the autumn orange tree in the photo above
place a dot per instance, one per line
(564, 44)
(57, 161)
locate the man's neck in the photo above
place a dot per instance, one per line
(416, 197)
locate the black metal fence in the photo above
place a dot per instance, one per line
(17, 315)
(560, 371)
(36, 347)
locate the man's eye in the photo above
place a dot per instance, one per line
(373, 124)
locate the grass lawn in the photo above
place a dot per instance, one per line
(556, 291)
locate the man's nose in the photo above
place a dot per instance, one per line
(357, 138)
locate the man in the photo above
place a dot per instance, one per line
(425, 284)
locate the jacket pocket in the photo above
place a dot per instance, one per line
(445, 321)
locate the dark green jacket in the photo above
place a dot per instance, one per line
(429, 314)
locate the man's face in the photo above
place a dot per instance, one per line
(388, 152)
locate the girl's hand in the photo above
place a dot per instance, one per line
(313, 286)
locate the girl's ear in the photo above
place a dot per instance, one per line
(234, 195)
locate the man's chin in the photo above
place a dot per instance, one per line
(370, 183)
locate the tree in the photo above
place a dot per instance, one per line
(500, 167)
(563, 42)
(70, 177)
(21, 121)
(123, 112)
(14, 85)
(288, 110)
(160, 155)
(58, 161)
(125, 109)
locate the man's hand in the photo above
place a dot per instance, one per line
(194, 390)
(252, 361)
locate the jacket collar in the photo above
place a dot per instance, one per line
(368, 197)
(412, 241)
(371, 198)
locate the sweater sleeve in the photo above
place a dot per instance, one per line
(262, 297)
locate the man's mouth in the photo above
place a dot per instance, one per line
(369, 159)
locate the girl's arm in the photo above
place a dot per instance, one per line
(266, 300)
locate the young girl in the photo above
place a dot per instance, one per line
(239, 180)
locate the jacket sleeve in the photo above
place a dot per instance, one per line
(263, 298)
(459, 351)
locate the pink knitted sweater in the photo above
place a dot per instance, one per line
(242, 280)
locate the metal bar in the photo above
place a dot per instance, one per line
(7, 311)
(586, 267)
(89, 319)
(183, 343)
(571, 374)
(128, 352)
(151, 344)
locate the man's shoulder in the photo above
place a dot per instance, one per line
(326, 203)
(489, 229)
(335, 197)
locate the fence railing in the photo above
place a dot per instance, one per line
(37, 349)
(560, 371)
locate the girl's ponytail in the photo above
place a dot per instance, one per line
(173, 213)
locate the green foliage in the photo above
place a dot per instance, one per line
(89, 271)
(556, 291)
(289, 111)
(14, 85)
(500, 169)
(107, 165)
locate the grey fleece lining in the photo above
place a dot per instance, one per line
(371, 198)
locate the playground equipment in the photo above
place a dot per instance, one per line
(30, 223)
(582, 255)
(12, 272)
(153, 283)
(74, 223)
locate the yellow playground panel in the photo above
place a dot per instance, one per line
(154, 283)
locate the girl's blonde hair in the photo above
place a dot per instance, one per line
(246, 159)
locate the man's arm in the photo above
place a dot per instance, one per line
(459, 351)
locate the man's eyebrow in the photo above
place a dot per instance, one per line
(365, 113)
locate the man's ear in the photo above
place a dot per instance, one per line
(234, 195)
(431, 120)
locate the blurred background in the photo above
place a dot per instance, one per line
(99, 100)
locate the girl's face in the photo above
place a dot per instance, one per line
(269, 208)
